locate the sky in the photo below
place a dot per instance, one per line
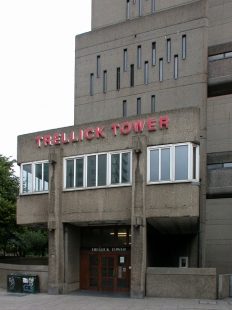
(37, 58)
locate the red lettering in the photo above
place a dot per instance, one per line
(81, 135)
(89, 133)
(47, 140)
(98, 132)
(151, 124)
(38, 140)
(63, 138)
(163, 122)
(114, 127)
(125, 128)
(56, 139)
(72, 137)
(138, 126)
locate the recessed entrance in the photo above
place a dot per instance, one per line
(106, 265)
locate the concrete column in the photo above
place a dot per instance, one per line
(55, 226)
(138, 222)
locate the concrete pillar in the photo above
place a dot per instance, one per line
(55, 226)
(138, 225)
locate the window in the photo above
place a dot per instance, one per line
(134, 1)
(124, 108)
(98, 66)
(168, 50)
(139, 56)
(175, 66)
(153, 5)
(140, 7)
(161, 70)
(220, 56)
(125, 60)
(132, 75)
(138, 106)
(90, 171)
(153, 53)
(34, 177)
(91, 84)
(146, 72)
(128, 9)
(153, 104)
(104, 81)
(118, 79)
(183, 46)
(173, 163)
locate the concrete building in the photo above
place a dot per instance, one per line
(137, 193)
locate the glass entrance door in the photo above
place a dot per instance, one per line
(108, 273)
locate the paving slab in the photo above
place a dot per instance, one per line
(104, 301)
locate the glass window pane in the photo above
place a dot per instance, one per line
(96, 237)
(46, 176)
(194, 162)
(70, 173)
(93, 271)
(122, 236)
(91, 171)
(181, 162)
(165, 164)
(154, 165)
(125, 167)
(93, 282)
(108, 236)
(27, 178)
(115, 159)
(79, 172)
(93, 260)
(102, 170)
(38, 178)
(85, 240)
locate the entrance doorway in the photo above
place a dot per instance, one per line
(105, 271)
(105, 258)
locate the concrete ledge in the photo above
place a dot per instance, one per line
(224, 286)
(181, 283)
(41, 271)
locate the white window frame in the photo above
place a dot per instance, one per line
(33, 164)
(108, 171)
(172, 163)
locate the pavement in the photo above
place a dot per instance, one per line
(109, 301)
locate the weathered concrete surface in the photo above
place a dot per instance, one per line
(223, 286)
(181, 283)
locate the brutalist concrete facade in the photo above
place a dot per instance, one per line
(127, 187)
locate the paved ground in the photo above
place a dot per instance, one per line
(81, 301)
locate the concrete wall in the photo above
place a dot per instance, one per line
(109, 42)
(224, 286)
(181, 283)
(219, 124)
(41, 271)
(108, 12)
(218, 235)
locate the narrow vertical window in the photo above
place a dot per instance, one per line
(132, 75)
(194, 163)
(139, 56)
(91, 84)
(140, 7)
(124, 108)
(161, 70)
(183, 46)
(118, 79)
(153, 5)
(146, 72)
(104, 81)
(138, 106)
(153, 104)
(125, 60)
(175, 66)
(128, 9)
(134, 1)
(168, 50)
(98, 66)
(27, 178)
(153, 53)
